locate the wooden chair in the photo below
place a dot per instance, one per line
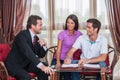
(109, 74)
(4, 50)
(3, 72)
(51, 51)
(76, 54)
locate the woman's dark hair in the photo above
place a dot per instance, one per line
(32, 20)
(95, 23)
(75, 19)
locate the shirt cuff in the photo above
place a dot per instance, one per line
(45, 48)
(39, 65)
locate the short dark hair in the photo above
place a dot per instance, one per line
(32, 20)
(95, 23)
(75, 19)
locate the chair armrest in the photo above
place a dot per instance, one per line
(3, 72)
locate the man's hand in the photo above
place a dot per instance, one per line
(83, 61)
(67, 61)
(47, 69)
(42, 42)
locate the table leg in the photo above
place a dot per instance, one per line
(55, 76)
(103, 76)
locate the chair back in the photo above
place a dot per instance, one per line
(4, 50)
(76, 55)
(51, 53)
(111, 50)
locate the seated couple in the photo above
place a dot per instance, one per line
(93, 46)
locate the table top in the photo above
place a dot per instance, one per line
(80, 69)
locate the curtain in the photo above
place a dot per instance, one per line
(0, 14)
(22, 12)
(7, 20)
(0, 18)
(113, 9)
(13, 14)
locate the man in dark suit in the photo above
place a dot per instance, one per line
(26, 50)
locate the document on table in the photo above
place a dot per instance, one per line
(92, 65)
(69, 65)
(85, 65)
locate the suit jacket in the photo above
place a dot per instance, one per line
(23, 53)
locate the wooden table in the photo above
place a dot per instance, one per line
(56, 76)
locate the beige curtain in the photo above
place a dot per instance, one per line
(13, 15)
(0, 18)
(22, 12)
(0, 14)
(113, 9)
(0, 8)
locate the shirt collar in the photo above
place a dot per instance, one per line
(32, 34)
(75, 32)
(97, 40)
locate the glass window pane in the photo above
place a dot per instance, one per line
(63, 8)
(40, 8)
(102, 16)
(102, 13)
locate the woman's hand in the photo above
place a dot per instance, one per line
(67, 61)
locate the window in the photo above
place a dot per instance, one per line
(63, 8)
(59, 11)
(102, 13)
(40, 8)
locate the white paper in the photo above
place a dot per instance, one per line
(69, 65)
(92, 65)
(84, 65)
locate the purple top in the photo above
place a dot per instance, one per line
(67, 42)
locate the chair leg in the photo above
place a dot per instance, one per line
(109, 77)
(82, 77)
